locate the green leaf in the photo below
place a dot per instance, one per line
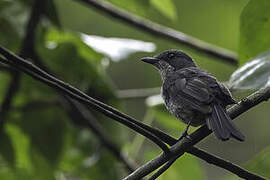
(21, 144)
(13, 17)
(261, 163)
(51, 13)
(252, 75)
(186, 167)
(48, 133)
(166, 7)
(7, 150)
(75, 62)
(254, 29)
(134, 6)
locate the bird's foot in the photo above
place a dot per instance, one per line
(185, 133)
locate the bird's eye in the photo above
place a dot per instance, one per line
(171, 55)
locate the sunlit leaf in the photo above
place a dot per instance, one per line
(75, 62)
(254, 74)
(254, 29)
(21, 144)
(166, 7)
(117, 48)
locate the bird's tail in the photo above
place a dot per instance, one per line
(222, 126)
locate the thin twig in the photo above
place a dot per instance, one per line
(234, 111)
(180, 147)
(80, 113)
(212, 159)
(163, 168)
(26, 51)
(37, 73)
(162, 31)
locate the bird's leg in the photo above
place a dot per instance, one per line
(185, 133)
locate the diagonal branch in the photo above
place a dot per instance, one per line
(81, 115)
(180, 147)
(35, 72)
(162, 31)
(78, 112)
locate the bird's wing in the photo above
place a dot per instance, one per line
(188, 88)
(225, 95)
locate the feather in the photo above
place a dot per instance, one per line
(222, 126)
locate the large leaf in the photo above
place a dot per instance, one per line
(252, 75)
(260, 164)
(135, 6)
(72, 60)
(13, 16)
(254, 29)
(117, 48)
(166, 7)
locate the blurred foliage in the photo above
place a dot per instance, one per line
(39, 141)
(254, 30)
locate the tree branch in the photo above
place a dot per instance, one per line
(37, 73)
(77, 112)
(30, 69)
(162, 31)
(26, 51)
(212, 159)
(180, 147)
(80, 115)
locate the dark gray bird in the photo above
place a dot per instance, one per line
(193, 95)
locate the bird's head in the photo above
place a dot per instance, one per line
(170, 58)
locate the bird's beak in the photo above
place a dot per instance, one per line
(150, 60)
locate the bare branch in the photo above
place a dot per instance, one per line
(212, 159)
(180, 147)
(163, 168)
(78, 112)
(35, 72)
(162, 31)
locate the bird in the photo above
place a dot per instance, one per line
(194, 95)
